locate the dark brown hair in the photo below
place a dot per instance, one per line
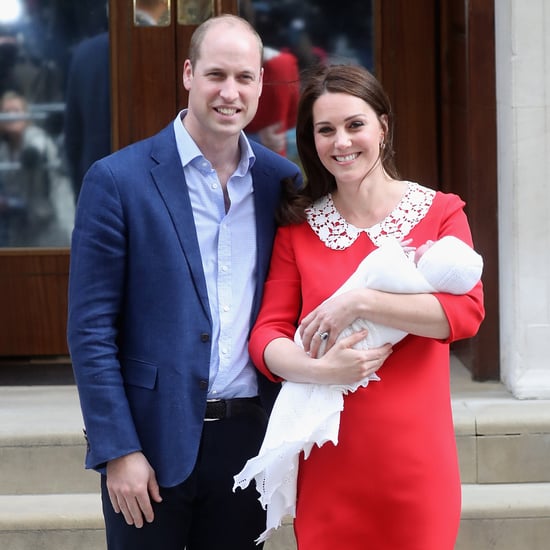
(346, 79)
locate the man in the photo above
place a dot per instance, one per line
(170, 250)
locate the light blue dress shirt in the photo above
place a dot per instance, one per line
(227, 242)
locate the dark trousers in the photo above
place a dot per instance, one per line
(203, 512)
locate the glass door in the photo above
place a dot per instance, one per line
(48, 95)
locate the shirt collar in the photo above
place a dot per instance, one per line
(188, 150)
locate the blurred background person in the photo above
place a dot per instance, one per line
(8, 58)
(150, 13)
(87, 132)
(23, 70)
(36, 202)
(275, 120)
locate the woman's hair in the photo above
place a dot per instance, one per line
(345, 79)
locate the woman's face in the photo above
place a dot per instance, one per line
(347, 135)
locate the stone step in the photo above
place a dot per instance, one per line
(41, 442)
(51, 522)
(48, 500)
(503, 516)
(50, 467)
(500, 439)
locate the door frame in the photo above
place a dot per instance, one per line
(436, 60)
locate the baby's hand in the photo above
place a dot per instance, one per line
(405, 245)
(421, 250)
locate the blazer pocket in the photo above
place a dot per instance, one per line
(138, 373)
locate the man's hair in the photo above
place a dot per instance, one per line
(200, 32)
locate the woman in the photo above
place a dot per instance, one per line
(392, 481)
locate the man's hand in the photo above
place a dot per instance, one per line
(132, 484)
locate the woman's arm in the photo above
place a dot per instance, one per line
(340, 365)
(419, 314)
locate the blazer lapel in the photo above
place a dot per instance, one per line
(265, 201)
(170, 181)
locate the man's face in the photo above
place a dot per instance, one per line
(225, 84)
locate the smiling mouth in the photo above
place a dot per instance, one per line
(346, 158)
(227, 111)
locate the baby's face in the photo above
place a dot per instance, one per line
(421, 249)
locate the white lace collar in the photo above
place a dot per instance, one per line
(338, 234)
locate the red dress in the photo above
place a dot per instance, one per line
(392, 482)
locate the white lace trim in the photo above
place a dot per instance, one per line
(338, 234)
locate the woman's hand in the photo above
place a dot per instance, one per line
(326, 322)
(419, 314)
(342, 364)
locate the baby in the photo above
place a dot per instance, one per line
(447, 265)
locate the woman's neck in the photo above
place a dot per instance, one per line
(366, 205)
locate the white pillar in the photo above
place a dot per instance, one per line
(522, 44)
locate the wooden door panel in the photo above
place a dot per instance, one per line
(143, 75)
(405, 64)
(469, 155)
(34, 302)
(436, 60)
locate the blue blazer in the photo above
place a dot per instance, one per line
(139, 325)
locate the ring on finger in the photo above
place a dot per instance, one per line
(323, 335)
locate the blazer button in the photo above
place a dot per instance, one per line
(203, 384)
(205, 337)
